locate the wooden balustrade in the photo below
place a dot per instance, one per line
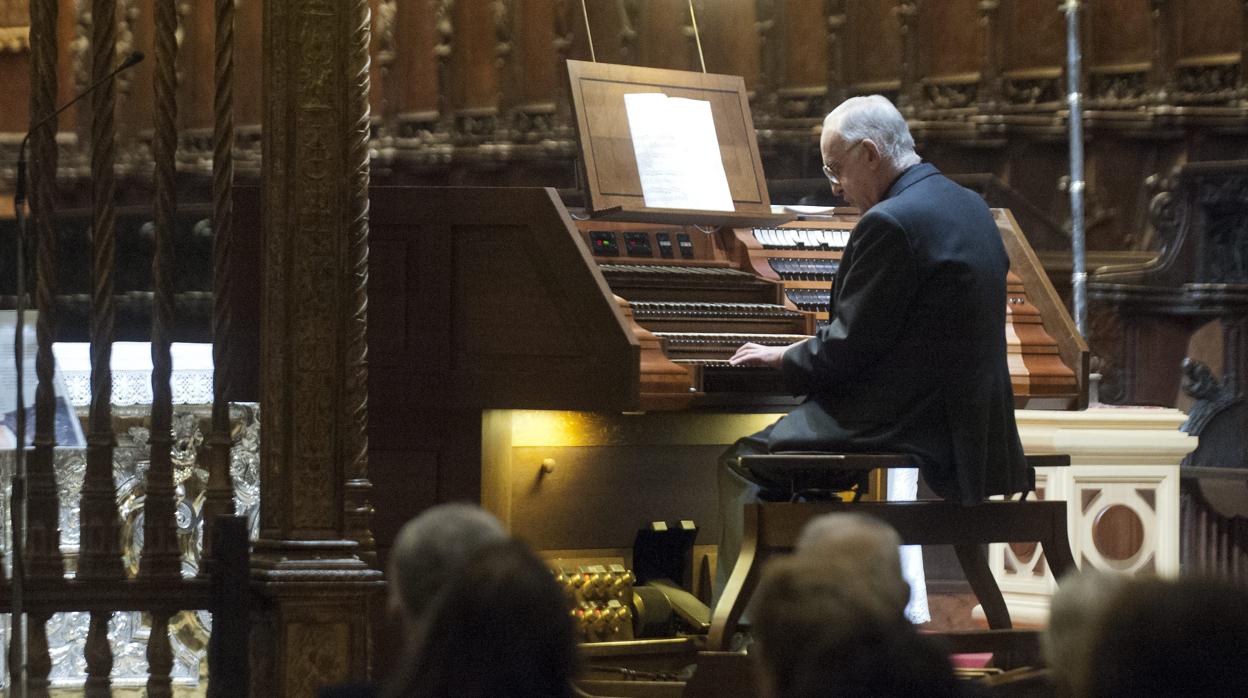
(100, 586)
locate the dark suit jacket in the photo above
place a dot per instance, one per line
(914, 357)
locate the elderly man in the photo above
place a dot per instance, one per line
(913, 359)
(430, 549)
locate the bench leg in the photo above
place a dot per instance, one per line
(975, 567)
(1057, 547)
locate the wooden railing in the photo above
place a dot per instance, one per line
(100, 586)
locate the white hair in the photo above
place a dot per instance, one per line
(855, 546)
(430, 548)
(874, 117)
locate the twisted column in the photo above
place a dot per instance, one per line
(43, 536)
(161, 558)
(359, 509)
(100, 555)
(219, 499)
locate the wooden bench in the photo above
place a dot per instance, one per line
(772, 528)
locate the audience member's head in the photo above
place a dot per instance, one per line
(1168, 638)
(812, 632)
(429, 550)
(499, 627)
(1073, 617)
(860, 550)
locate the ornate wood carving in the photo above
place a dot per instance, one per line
(161, 556)
(43, 537)
(444, 13)
(908, 94)
(770, 56)
(1161, 76)
(219, 499)
(316, 174)
(989, 89)
(100, 556)
(359, 509)
(385, 31)
(837, 79)
(630, 16)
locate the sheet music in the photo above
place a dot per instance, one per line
(677, 152)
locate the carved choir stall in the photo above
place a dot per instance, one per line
(1199, 279)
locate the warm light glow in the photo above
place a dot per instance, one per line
(566, 428)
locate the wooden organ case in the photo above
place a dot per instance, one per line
(567, 369)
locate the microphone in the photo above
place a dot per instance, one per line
(19, 187)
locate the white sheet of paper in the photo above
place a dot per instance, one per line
(677, 152)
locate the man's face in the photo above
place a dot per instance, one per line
(853, 169)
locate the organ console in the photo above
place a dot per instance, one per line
(568, 369)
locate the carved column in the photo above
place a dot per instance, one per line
(909, 91)
(43, 536)
(312, 625)
(444, 21)
(630, 16)
(1243, 53)
(990, 36)
(837, 17)
(765, 103)
(1161, 77)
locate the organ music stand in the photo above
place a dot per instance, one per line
(612, 183)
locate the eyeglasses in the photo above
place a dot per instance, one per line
(834, 177)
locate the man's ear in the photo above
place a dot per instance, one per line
(872, 151)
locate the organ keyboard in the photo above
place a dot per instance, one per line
(804, 257)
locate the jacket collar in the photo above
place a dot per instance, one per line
(910, 176)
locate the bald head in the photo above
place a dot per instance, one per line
(431, 548)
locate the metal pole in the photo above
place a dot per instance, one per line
(1079, 276)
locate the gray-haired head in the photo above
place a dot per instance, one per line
(1073, 615)
(861, 549)
(874, 118)
(431, 548)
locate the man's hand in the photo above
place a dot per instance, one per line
(758, 355)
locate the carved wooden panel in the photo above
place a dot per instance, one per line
(537, 72)
(663, 41)
(874, 46)
(1207, 28)
(947, 38)
(474, 82)
(805, 62)
(726, 28)
(1120, 33)
(414, 84)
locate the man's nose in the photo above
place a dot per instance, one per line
(837, 189)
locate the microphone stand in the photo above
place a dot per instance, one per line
(17, 498)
